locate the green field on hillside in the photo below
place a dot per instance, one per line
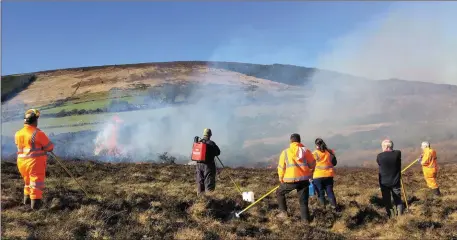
(64, 124)
(87, 105)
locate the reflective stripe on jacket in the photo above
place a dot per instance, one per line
(324, 166)
(429, 158)
(296, 163)
(32, 143)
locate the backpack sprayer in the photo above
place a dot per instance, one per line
(199, 155)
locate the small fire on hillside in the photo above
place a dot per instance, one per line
(106, 142)
(272, 165)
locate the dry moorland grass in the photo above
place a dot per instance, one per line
(145, 201)
(60, 84)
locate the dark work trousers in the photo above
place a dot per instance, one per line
(395, 193)
(206, 177)
(302, 188)
(325, 185)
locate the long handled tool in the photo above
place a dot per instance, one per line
(236, 185)
(254, 203)
(406, 168)
(404, 193)
(69, 173)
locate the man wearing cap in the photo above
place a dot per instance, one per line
(206, 171)
(32, 147)
(389, 162)
(429, 167)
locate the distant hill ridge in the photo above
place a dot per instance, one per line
(53, 85)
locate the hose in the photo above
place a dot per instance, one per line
(69, 173)
(236, 185)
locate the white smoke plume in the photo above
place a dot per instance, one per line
(412, 41)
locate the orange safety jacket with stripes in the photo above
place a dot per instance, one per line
(296, 164)
(324, 165)
(32, 143)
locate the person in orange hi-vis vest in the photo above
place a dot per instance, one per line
(428, 160)
(295, 169)
(324, 172)
(32, 147)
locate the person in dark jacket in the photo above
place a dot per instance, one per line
(389, 162)
(206, 171)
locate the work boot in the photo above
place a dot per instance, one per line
(335, 208)
(26, 200)
(437, 192)
(400, 209)
(36, 204)
(392, 213)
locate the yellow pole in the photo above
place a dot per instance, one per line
(404, 193)
(402, 171)
(237, 187)
(258, 200)
(69, 173)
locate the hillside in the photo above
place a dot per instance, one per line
(251, 108)
(68, 83)
(144, 201)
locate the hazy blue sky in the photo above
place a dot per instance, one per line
(50, 35)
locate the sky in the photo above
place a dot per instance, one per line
(51, 35)
(413, 40)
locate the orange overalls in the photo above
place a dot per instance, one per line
(32, 145)
(429, 167)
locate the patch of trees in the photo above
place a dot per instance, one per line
(14, 84)
(165, 158)
(73, 112)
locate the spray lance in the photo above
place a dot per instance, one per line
(401, 181)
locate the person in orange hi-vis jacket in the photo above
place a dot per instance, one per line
(429, 167)
(295, 169)
(32, 147)
(324, 172)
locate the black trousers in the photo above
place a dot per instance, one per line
(206, 177)
(387, 194)
(302, 188)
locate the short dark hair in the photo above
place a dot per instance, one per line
(295, 137)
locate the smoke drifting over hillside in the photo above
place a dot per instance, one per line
(412, 41)
(173, 128)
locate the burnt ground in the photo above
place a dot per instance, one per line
(150, 201)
